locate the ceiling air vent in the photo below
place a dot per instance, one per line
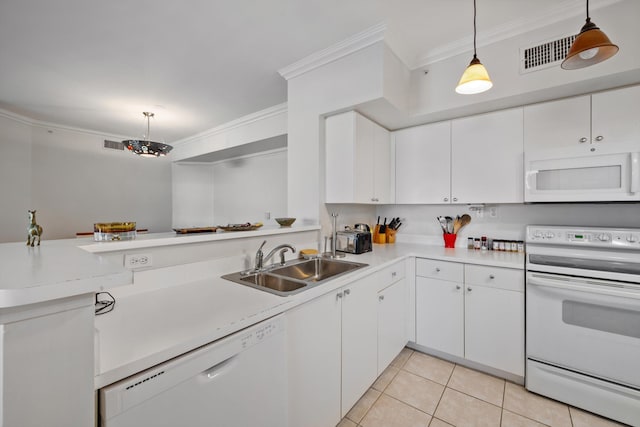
(113, 145)
(544, 55)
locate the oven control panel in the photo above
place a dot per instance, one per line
(628, 238)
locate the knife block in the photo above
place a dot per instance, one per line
(378, 237)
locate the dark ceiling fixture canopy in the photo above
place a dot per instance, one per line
(590, 47)
(146, 147)
(475, 78)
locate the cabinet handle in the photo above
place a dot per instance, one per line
(599, 138)
(455, 199)
(446, 199)
(339, 295)
(373, 199)
(582, 140)
(491, 276)
(437, 269)
(347, 291)
(469, 289)
(381, 298)
(458, 287)
(393, 274)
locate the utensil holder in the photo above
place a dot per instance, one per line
(449, 240)
(390, 235)
(378, 237)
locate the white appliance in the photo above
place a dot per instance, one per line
(589, 172)
(583, 318)
(237, 381)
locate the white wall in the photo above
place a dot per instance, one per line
(72, 182)
(248, 187)
(193, 195)
(15, 179)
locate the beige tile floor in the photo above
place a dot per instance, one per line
(419, 390)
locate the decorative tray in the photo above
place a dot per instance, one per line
(241, 227)
(195, 230)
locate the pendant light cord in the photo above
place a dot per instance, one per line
(588, 17)
(474, 29)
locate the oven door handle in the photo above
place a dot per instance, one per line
(593, 286)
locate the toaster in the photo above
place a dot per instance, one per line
(353, 241)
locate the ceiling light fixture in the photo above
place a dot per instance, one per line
(146, 147)
(475, 78)
(590, 47)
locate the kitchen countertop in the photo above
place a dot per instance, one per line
(148, 328)
(53, 270)
(171, 238)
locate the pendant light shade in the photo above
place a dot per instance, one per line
(590, 47)
(475, 78)
(146, 147)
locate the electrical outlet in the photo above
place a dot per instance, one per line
(138, 261)
(493, 212)
(267, 215)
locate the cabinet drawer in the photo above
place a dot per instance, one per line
(443, 270)
(391, 274)
(495, 277)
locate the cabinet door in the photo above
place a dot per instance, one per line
(381, 165)
(487, 158)
(494, 328)
(359, 341)
(365, 134)
(614, 116)
(339, 158)
(439, 315)
(313, 333)
(392, 335)
(423, 164)
(555, 124)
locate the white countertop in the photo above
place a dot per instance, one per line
(171, 238)
(56, 269)
(148, 328)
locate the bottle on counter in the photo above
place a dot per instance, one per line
(483, 243)
(469, 242)
(476, 244)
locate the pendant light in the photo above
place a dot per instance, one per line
(590, 47)
(146, 147)
(475, 78)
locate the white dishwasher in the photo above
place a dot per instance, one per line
(237, 381)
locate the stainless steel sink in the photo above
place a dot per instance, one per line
(317, 270)
(295, 276)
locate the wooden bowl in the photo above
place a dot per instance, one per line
(285, 222)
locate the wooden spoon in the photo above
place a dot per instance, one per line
(464, 220)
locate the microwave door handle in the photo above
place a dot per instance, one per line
(635, 173)
(529, 179)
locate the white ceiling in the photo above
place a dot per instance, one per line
(198, 64)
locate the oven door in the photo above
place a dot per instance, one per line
(591, 326)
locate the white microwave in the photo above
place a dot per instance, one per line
(585, 173)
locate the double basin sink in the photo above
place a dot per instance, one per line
(294, 276)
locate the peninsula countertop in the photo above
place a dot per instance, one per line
(148, 328)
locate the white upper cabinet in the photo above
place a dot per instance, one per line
(605, 117)
(358, 160)
(615, 116)
(487, 158)
(557, 123)
(423, 164)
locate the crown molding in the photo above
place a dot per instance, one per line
(54, 126)
(335, 52)
(242, 121)
(560, 12)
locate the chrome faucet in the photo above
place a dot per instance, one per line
(261, 259)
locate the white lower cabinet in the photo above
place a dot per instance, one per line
(473, 312)
(314, 361)
(359, 340)
(392, 335)
(338, 344)
(440, 315)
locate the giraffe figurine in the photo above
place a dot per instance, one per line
(34, 231)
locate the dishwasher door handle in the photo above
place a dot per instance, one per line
(219, 369)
